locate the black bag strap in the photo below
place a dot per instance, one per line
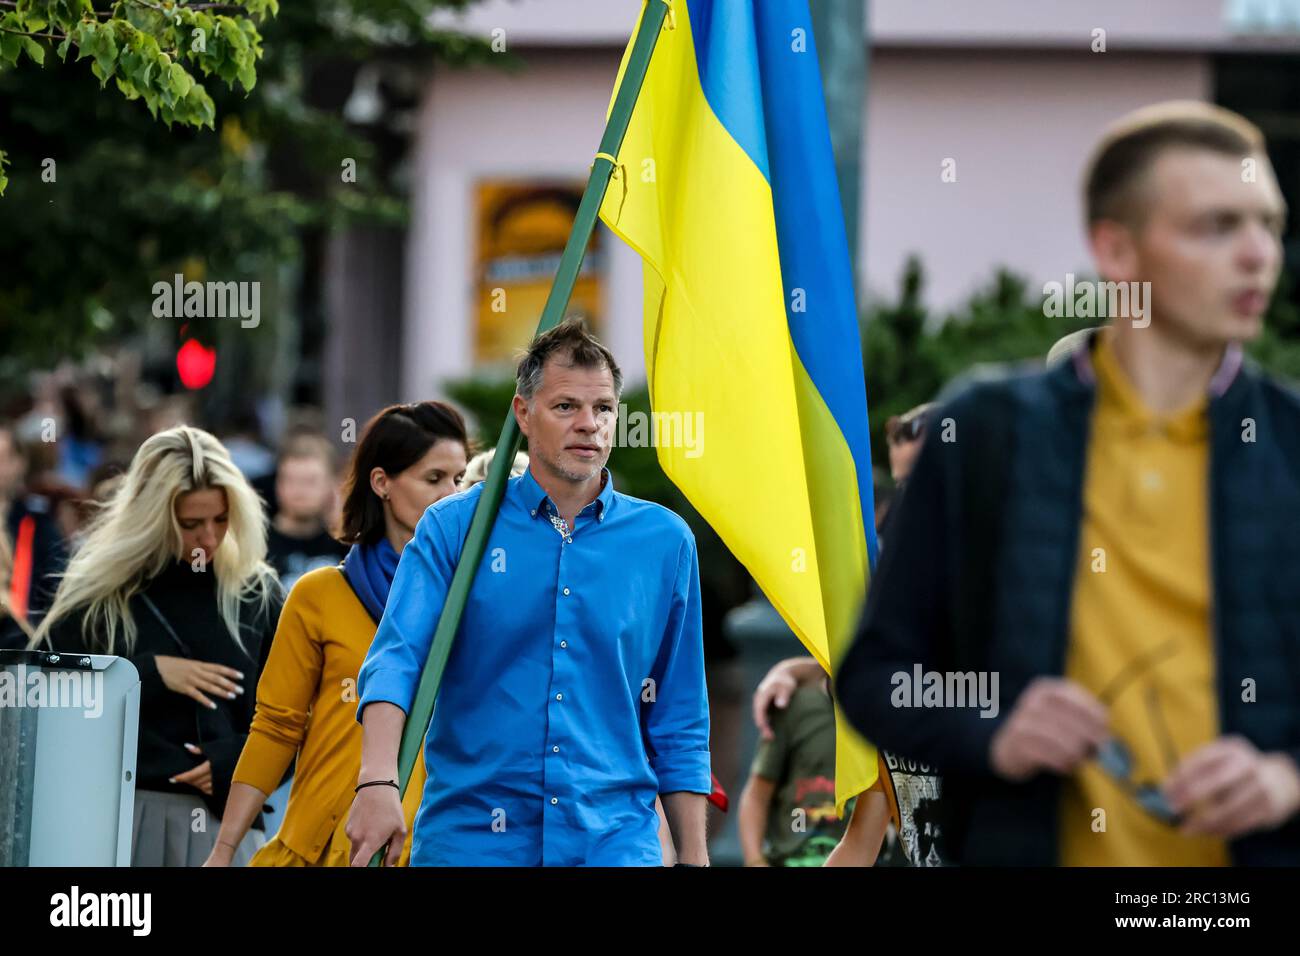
(171, 632)
(185, 651)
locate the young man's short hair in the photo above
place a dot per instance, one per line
(308, 444)
(1130, 147)
(574, 345)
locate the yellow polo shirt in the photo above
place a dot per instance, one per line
(1140, 626)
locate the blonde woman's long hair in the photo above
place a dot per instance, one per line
(136, 536)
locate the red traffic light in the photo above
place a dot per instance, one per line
(195, 363)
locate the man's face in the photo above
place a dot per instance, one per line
(12, 465)
(570, 421)
(1210, 246)
(304, 487)
(435, 476)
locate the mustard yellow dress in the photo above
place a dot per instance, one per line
(307, 706)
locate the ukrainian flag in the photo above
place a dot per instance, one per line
(725, 184)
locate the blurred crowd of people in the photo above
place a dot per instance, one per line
(66, 444)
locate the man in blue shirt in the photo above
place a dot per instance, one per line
(574, 693)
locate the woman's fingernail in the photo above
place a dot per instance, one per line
(171, 779)
(213, 706)
(239, 674)
(232, 695)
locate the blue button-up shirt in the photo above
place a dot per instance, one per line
(575, 688)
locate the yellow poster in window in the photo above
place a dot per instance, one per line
(521, 231)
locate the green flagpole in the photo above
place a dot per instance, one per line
(485, 512)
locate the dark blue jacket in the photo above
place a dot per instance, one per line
(49, 555)
(978, 573)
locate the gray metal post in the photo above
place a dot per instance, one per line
(840, 29)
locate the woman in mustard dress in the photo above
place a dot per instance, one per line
(409, 457)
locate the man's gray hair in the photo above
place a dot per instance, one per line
(569, 340)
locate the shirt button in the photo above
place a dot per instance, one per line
(568, 540)
(534, 512)
(566, 592)
(554, 800)
(559, 697)
(564, 643)
(555, 750)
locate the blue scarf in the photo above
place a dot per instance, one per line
(369, 568)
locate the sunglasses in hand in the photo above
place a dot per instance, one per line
(1115, 759)
(1114, 756)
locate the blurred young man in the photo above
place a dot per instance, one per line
(299, 540)
(574, 694)
(1116, 541)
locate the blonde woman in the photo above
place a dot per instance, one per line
(409, 457)
(172, 576)
(477, 469)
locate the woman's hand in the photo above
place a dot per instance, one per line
(242, 807)
(221, 855)
(197, 679)
(200, 777)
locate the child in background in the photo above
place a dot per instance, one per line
(787, 810)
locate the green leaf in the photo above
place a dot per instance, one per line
(260, 8)
(10, 46)
(86, 36)
(4, 180)
(34, 49)
(228, 70)
(179, 81)
(202, 110)
(231, 32)
(106, 52)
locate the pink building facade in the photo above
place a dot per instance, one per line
(979, 117)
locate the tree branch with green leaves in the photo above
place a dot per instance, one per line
(159, 52)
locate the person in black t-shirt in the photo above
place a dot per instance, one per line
(305, 494)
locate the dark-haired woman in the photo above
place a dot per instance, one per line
(409, 457)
